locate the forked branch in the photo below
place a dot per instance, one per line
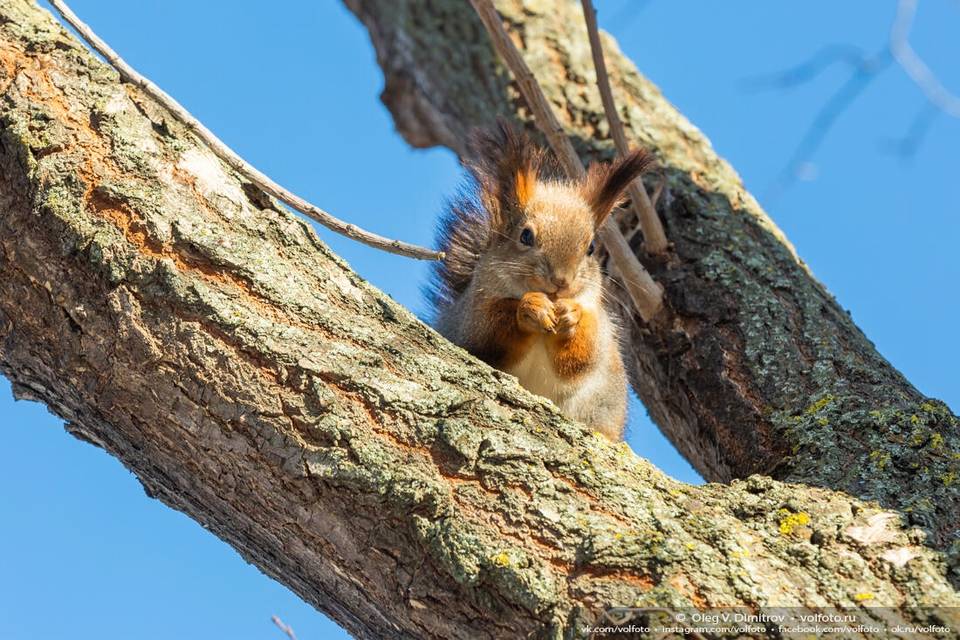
(864, 70)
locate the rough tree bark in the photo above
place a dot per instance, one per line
(174, 316)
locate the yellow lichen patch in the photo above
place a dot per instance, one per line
(936, 441)
(819, 404)
(501, 559)
(948, 478)
(789, 521)
(880, 459)
(863, 596)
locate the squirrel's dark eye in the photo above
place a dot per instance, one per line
(526, 237)
(591, 248)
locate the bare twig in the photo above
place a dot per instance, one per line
(284, 627)
(646, 294)
(226, 154)
(530, 88)
(654, 239)
(914, 66)
(863, 74)
(852, 56)
(905, 147)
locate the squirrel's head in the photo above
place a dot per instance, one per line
(542, 230)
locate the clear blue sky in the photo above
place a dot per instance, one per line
(293, 86)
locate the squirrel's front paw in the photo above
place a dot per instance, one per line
(535, 313)
(568, 314)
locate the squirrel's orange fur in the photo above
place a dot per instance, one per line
(574, 348)
(520, 287)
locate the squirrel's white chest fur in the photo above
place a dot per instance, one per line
(536, 372)
(574, 396)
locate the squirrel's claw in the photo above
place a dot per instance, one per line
(568, 314)
(536, 314)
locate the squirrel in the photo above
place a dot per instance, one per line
(520, 286)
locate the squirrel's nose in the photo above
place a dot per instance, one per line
(560, 283)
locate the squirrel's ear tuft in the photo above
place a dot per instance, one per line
(506, 164)
(524, 184)
(605, 184)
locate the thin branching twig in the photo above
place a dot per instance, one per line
(905, 147)
(864, 69)
(654, 239)
(646, 294)
(806, 71)
(914, 66)
(861, 77)
(227, 155)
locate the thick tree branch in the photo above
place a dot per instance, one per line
(172, 314)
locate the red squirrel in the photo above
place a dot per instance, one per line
(520, 286)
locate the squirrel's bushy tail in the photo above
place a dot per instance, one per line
(462, 234)
(495, 156)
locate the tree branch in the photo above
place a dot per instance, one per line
(864, 70)
(225, 153)
(914, 66)
(177, 318)
(655, 240)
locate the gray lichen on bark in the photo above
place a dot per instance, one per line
(176, 317)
